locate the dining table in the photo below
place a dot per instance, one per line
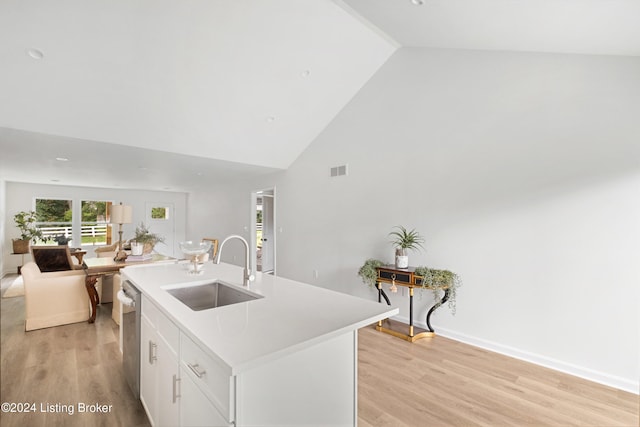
(95, 268)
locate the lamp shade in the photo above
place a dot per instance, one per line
(121, 214)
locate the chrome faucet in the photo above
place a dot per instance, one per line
(247, 276)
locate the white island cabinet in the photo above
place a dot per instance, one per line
(288, 358)
(159, 368)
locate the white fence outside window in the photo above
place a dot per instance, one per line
(95, 230)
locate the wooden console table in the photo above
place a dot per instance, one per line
(22, 263)
(405, 277)
(98, 267)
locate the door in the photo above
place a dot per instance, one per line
(160, 218)
(268, 247)
(168, 385)
(263, 238)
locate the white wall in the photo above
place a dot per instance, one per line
(522, 172)
(223, 210)
(21, 197)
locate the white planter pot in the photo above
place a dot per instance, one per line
(402, 261)
(136, 248)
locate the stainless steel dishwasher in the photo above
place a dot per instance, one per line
(130, 298)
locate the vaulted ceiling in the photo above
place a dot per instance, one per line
(125, 90)
(593, 27)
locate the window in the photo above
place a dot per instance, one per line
(55, 220)
(160, 213)
(95, 228)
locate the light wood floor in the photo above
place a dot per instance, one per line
(441, 382)
(64, 365)
(433, 382)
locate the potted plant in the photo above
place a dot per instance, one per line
(405, 240)
(147, 238)
(61, 239)
(26, 223)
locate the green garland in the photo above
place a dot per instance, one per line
(368, 272)
(437, 280)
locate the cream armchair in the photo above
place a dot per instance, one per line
(55, 298)
(116, 306)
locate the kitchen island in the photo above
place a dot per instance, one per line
(288, 357)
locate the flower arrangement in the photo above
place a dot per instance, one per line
(147, 238)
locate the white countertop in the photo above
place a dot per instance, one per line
(291, 316)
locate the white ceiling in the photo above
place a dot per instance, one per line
(599, 27)
(244, 81)
(33, 157)
(233, 86)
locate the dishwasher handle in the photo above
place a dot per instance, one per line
(125, 299)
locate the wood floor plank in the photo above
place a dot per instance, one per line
(432, 382)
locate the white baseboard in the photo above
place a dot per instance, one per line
(557, 365)
(4, 274)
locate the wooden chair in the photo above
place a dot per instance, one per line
(214, 246)
(208, 255)
(109, 290)
(53, 258)
(116, 304)
(109, 251)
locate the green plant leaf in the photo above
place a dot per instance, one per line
(368, 272)
(402, 238)
(437, 280)
(144, 235)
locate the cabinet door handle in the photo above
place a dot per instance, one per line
(176, 394)
(152, 352)
(196, 370)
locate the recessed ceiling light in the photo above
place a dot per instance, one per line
(62, 159)
(417, 2)
(270, 119)
(305, 73)
(35, 53)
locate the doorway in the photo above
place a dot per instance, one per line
(263, 236)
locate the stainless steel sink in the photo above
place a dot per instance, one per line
(211, 295)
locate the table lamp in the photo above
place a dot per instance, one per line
(121, 214)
